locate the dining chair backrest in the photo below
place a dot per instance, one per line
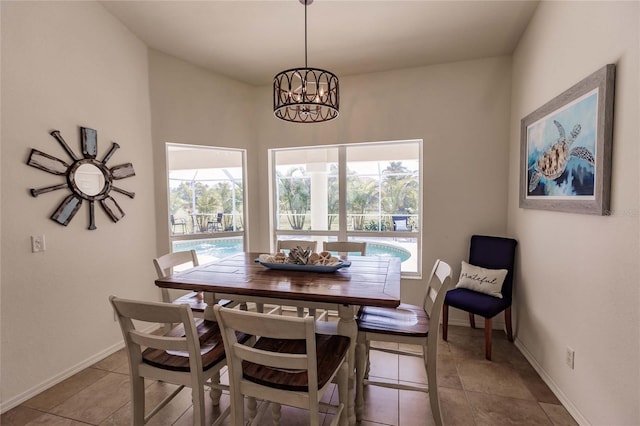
(345, 247)
(164, 267)
(272, 369)
(164, 264)
(153, 312)
(437, 286)
(289, 244)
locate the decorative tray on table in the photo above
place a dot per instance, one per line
(303, 260)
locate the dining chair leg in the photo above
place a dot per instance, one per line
(343, 392)
(432, 382)
(215, 393)
(507, 321)
(252, 404)
(445, 321)
(237, 408)
(487, 338)
(276, 413)
(361, 355)
(472, 320)
(137, 390)
(197, 398)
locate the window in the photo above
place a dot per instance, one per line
(363, 192)
(206, 200)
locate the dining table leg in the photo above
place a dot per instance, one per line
(209, 315)
(347, 327)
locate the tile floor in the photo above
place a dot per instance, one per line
(473, 391)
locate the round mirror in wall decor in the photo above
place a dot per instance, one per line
(88, 178)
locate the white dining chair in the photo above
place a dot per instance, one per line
(290, 364)
(406, 324)
(164, 266)
(190, 355)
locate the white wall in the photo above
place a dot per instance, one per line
(191, 105)
(578, 274)
(460, 110)
(65, 65)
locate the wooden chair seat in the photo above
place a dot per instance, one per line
(330, 352)
(211, 348)
(196, 301)
(405, 320)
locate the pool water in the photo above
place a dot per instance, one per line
(218, 248)
(223, 247)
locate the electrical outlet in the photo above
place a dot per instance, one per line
(37, 243)
(570, 357)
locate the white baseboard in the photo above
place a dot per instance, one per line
(54, 380)
(566, 402)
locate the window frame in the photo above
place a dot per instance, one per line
(206, 234)
(343, 233)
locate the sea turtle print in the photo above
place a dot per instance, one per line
(553, 162)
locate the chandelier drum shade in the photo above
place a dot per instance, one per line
(306, 95)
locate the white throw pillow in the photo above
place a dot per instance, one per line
(482, 280)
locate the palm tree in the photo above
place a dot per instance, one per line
(294, 196)
(362, 197)
(400, 189)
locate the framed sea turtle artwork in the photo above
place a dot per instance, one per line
(565, 151)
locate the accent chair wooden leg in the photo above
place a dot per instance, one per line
(507, 321)
(445, 321)
(487, 338)
(472, 320)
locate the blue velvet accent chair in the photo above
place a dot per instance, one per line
(490, 253)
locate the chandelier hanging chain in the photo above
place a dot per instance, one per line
(306, 3)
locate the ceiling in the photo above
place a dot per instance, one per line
(251, 41)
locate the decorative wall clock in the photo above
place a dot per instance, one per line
(88, 178)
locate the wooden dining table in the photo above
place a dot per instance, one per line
(369, 280)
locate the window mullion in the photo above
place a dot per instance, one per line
(342, 193)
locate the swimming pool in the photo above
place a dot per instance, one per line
(223, 247)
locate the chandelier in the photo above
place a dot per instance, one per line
(306, 95)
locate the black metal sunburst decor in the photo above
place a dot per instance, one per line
(87, 177)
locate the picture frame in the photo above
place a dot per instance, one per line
(565, 149)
